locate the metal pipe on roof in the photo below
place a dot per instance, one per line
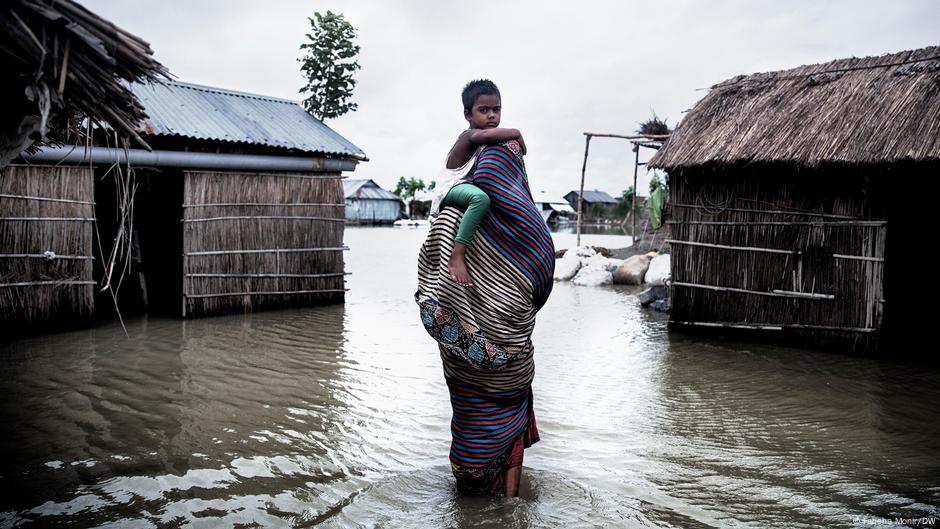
(189, 160)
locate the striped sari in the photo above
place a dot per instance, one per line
(484, 332)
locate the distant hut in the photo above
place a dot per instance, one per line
(421, 204)
(61, 64)
(368, 203)
(597, 204)
(782, 188)
(554, 210)
(239, 206)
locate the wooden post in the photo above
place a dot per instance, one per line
(185, 279)
(277, 268)
(636, 167)
(587, 145)
(137, 259)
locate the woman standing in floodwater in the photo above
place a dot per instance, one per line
(484, 331)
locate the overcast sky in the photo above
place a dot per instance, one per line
(563, 67)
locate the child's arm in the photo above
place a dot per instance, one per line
(492, 136)
(468, 141)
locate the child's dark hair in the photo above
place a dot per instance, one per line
(475, 89)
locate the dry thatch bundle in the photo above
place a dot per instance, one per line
(654, 127)
(60, 62)
(873, 109)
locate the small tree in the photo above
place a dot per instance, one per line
(656, 182)
(625, 202)
(328, 65)
(407, 189)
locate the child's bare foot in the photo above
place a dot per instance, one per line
(458, 266)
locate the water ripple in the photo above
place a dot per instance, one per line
(338, 416)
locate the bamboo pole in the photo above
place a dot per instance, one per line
(730, 247)
(265, 204)
(44, 283)
(776, 294)
(587, 145)
(267, 217)
(324, 176)
(633, 137)
(267, 293)
(807, 295)
(47, 219)
(636, 168)
(859, 258)
(47, 199)
(770, 250)
(42, 256)
(185, 283)
(774, 327)
(269, 250)
(336, 274)
(772, 223)
(771, 212)
(64, 68)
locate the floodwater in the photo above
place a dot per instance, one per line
(338, 417)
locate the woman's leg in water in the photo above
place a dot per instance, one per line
(511, 478)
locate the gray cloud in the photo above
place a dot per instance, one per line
(563, 68)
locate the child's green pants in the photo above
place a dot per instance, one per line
(474, 202)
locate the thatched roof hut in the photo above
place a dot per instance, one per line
(782, 188)
(61, 63)
(867, 110)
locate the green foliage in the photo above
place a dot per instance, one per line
(328, 66)
(656, 182)
(659, 194)
(406, 189)
(624, 202)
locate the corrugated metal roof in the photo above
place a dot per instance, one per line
(562, 208)
(367, 189)
(203, 112)
(595, 196)
(542, 197)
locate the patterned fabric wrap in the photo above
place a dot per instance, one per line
(484, 332)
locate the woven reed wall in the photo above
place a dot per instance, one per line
(54, 212)
(277, 240)
(824, 284)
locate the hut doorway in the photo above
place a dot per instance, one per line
(143, 258)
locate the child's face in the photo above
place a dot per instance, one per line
(485, 112)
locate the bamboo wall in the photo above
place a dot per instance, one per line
(46, 209)
(790, 254)
(261, 240)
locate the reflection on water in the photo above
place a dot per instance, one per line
(606, 235)
(614, 228)
(338, 417)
